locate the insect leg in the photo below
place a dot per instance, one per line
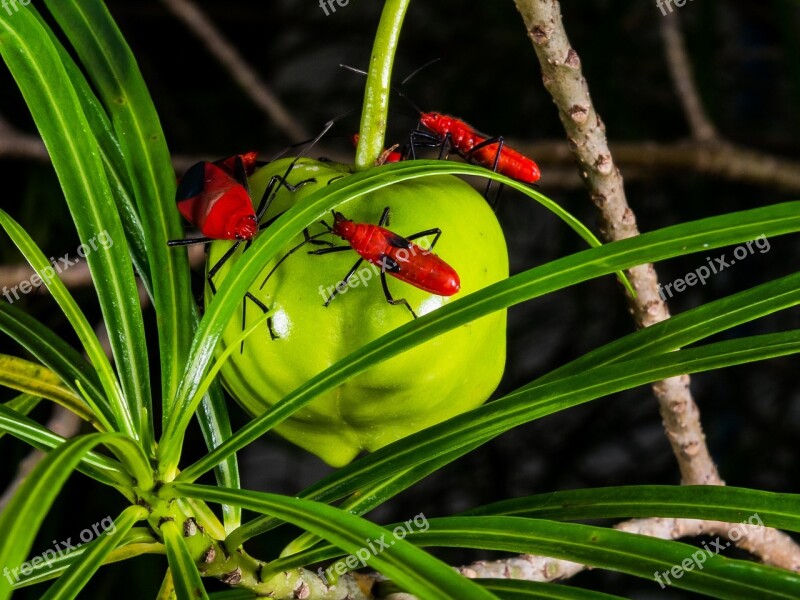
(470, 157)
(390, 299)
(264, 309)
(213, 270)
(330, 250)
(426, 233)
(190, 241)
(270, 192)
(347, 277)
(295, 249)
(420, 139)
(384, 220)
(447, 145)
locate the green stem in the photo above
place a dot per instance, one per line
(376, 95)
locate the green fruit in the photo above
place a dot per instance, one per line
(441, 378)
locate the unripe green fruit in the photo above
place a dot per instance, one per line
(423, 386)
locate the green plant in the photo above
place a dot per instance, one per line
(111, 159)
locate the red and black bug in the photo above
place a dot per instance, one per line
(491, 152)
(450, 133)
(392, 253)
(215, 198)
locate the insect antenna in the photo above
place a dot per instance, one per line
(395, 89)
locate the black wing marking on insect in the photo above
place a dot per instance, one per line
(398, 241)
(192, 183)
(389, 264)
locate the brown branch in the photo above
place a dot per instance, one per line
(640, 159)
(680, 69)
(718, 158)
(752, 538)
(562, 77)
(241, 71)
(76, 276)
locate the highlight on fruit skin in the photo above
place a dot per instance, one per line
(444, 377)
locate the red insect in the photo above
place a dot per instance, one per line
(397, 255)
(492, 153)
(215, 198)
(394, 254)
(390, 155)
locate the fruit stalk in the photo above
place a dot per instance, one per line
(376, 93)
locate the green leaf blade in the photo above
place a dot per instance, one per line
(185, 575)
(70, 583)
(56, 110)
(418, 572)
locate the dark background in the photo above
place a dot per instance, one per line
(746, 58)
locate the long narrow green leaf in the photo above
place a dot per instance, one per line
(455, 437)
(416, 571)
(34, 62)
(112, 157)
(212, 415)
(629, 553)
(138, 541)
(691, 326)
(717, 503)
(512, 589)
(23, 515)
(672, 241)
(112, 67)
(637, 555)
(25, 376)
(74, 579)
(713, 503)
(113, 409)
(52, 351)
(490, 420)
(185, 575)
(23, 404)
(105, 470)
(686, 328)
(266, 247)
